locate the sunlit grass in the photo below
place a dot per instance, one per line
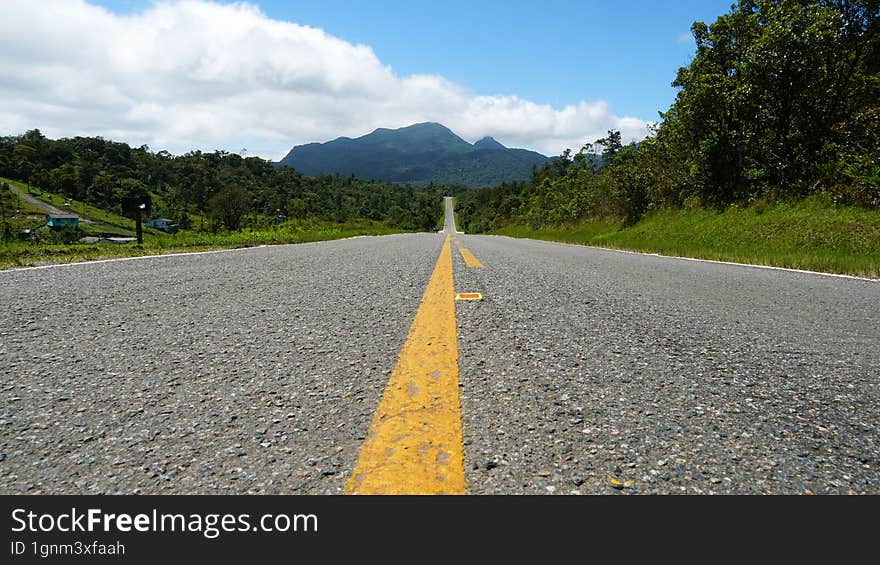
(21, 254)
(811, 235)
(29, 253)
(74, 206)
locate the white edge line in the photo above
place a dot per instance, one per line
(769, 267)
(136, 258)
(160, 255)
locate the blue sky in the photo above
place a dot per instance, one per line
(270, 74)
(625, 52)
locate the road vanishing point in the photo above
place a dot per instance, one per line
(436, 363)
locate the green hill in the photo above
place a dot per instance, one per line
(419, 154)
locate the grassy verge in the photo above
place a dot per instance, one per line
(25, 253)
(811, 235)
(21, 254)
(75, 206)
(441, 223)
(22, 207)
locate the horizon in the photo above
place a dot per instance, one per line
(259, 78)
(244, 153)
(485, 137)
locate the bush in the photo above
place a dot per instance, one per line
(67, 234)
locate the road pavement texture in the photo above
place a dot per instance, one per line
(580, 371)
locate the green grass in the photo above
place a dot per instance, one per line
(811, 234)
(105, 230)
(86, 210)
(22, 254)
(24, 208)
(121, 224)
(441, 223)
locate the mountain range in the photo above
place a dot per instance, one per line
(418, 154)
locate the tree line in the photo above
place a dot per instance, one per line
(224, 188)
(780, 101)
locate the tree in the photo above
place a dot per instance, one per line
(297, 208)
(103, 189)
(133, 187)
(761, 103)
(25, 160)
(65, 180)
(229, 206)
(7, 202)
(611, 145)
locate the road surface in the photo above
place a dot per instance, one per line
(273, 370)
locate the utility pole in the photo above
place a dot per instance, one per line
(138, 227)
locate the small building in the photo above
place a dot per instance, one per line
(280, 219)
(163, 224)
(56, 221)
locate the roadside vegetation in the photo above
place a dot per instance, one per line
(214, 199)
(63, 246)
(769, 154)
(20, 254)
(808, 234)
(442, 221)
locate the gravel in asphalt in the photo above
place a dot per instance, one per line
(597, 372)
(583, 371)
(251, 371)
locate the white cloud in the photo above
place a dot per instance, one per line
(196, 74)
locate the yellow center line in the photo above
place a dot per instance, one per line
(415, 441)
(469, 258)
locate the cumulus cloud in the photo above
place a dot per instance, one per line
(197, 74)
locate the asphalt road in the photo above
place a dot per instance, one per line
(253, 371)
(582, 371)
(585, 369)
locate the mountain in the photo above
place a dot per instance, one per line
(418, 154)
(488, 143)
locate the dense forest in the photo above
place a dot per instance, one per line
(780, 101)
(225, 190)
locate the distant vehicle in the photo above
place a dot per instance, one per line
(163, 224)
